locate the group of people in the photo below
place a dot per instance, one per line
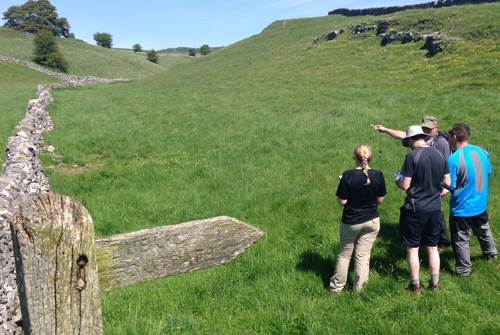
(439, 163)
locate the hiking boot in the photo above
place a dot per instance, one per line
(431, 287)
(462, 274)
(491, 258)
(334, 291)
(414, 289)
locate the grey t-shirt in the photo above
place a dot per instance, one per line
(440, 144)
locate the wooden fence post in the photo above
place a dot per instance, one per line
(54, 248)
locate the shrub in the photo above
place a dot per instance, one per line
(205, 49)
(137, 47)
(192, 52)
(46, 52)
(104, 40)
(56, 61)
(152, 56)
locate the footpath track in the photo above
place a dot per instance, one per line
(22, 176)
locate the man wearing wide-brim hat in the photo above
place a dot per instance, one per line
(424, 172)
(437, 140)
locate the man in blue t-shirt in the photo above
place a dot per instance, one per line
(470, 168)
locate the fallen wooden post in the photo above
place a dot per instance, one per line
(154, 253)
(61, 269)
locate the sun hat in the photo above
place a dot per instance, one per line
(429, 121)
(413, 131)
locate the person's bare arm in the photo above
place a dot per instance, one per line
(447, 179)
(447, 182)
(380, 200)
(404, 183)
(397, 134)
(341, 202)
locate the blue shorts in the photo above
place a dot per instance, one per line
(418, 229)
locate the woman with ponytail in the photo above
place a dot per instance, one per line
(360, 191)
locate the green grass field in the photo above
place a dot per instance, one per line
(83, 58)
(260, 131)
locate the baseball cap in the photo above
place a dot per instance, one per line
(429, 121)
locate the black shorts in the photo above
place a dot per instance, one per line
(419, 228)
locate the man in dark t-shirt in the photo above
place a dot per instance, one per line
(423, 173)
(436, 140)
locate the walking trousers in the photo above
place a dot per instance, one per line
(358, 238)
(460, 234)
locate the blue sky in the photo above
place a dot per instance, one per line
(160, 24)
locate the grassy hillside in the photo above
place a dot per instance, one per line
(260, 131)
(17, 85)
(83, 58)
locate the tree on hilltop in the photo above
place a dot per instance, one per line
(152, 56)
(205, 49)
(35, 16)
(47, 53)
(137, 47)
(104, 40)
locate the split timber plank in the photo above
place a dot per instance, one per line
(130, 258)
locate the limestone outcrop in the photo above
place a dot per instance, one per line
(328, 36)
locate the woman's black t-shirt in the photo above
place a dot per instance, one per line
(361, 199)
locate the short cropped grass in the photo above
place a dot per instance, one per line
(260, 131)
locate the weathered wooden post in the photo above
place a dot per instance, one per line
(57, 260)
(56, 266)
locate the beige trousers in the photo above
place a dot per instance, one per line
(358, 238)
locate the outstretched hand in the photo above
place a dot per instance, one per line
(379, 128)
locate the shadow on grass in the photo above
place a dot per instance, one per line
(311, 261)
(386, 253)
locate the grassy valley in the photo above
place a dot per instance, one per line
(260, 131)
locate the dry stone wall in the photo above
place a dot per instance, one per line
(22, 176)
(394, 9)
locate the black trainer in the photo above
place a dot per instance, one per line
(491, 258)
(432, 287)
(414, 289)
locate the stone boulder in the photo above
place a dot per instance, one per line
(434, 44)
(328, 36)
(361, 28)
(403, 37)
(382, 27)
(388, 38)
